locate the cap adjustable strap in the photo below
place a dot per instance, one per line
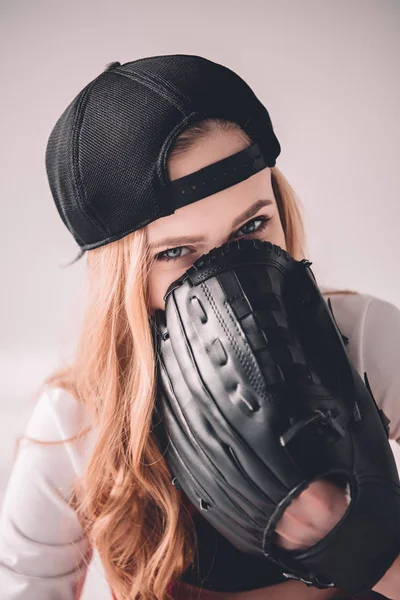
(217, 176)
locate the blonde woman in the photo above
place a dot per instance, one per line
(88, 473)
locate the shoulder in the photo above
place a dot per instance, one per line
(361, 317)
(347, 303)
(59, 416)
(372, 325)
(350, 312)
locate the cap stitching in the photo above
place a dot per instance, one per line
(77, 177)
(151, 85)
(170, 85)
(161, 167)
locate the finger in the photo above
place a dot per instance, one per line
(321, 505)
(294, 528)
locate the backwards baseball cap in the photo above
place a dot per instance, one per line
(106, 157)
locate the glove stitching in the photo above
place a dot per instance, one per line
(258, 383)
(254, 380)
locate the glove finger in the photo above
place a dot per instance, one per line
(218, 387)
(186, 424)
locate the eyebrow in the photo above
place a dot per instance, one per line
(172, 242)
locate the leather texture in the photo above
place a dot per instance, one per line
(258, 398)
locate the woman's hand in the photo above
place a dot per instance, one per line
(311, 516)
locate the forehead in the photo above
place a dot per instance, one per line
(213, 147)
(219, 209)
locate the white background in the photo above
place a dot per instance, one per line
(329, 74)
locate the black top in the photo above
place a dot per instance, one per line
(220, 567)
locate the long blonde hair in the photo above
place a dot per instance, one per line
(136, 519)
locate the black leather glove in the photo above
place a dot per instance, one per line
(258, 398)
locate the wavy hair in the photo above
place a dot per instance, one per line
(138, 522)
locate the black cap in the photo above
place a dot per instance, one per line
(106, 157)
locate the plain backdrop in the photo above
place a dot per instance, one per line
(329, 74)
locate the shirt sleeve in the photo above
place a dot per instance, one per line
(44, 553)
(380, 348)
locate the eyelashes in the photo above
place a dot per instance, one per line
(261, 219)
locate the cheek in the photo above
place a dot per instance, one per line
(157, 289)
(159, 281)
(274, 233)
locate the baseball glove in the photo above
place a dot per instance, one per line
(257, 397)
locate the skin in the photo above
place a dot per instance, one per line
(311, 516)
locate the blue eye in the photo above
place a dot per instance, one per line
(173, 253)
(251, 226)
(254, 226)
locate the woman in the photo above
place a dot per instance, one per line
(88, 473)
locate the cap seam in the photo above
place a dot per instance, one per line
(161, 167)
(143, 81)
(76, 172)
(169, 85)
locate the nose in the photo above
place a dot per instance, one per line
(216, 241)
